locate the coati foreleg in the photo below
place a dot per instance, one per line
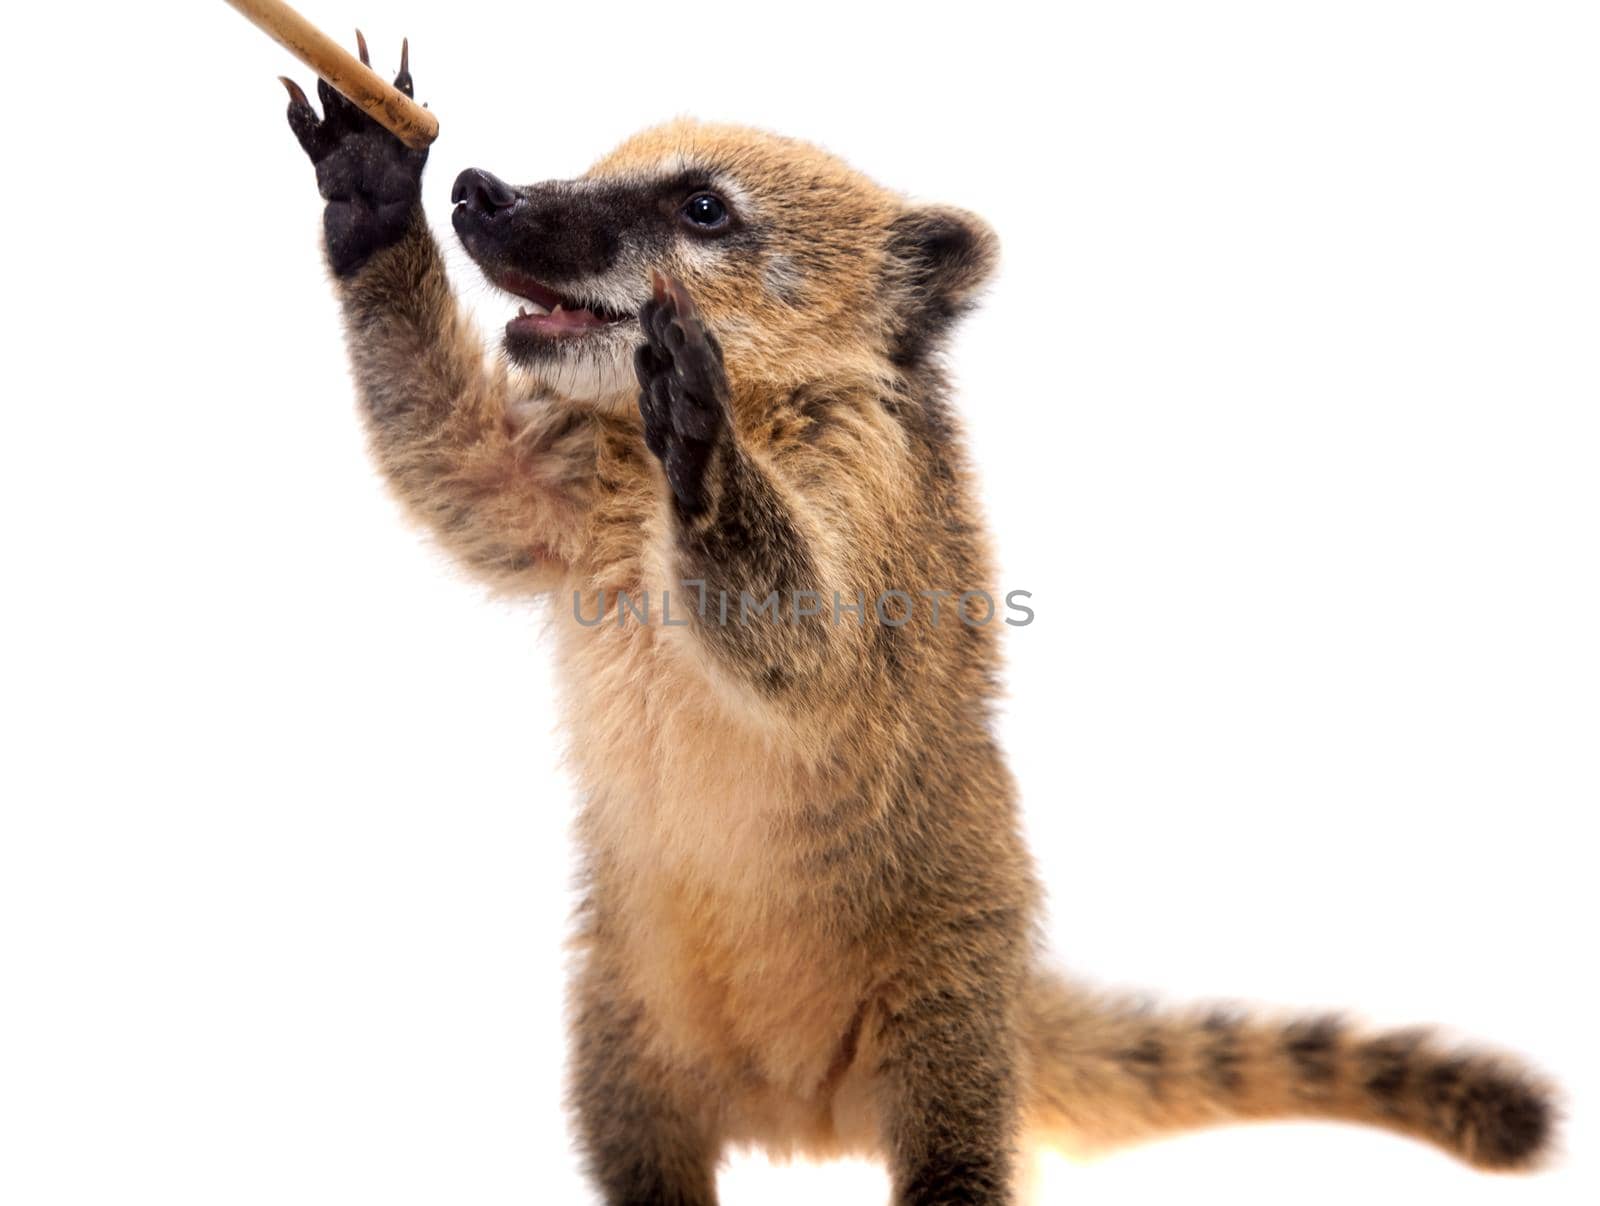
(736, 533)
(505, 498)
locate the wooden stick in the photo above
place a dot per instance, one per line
(362, 86)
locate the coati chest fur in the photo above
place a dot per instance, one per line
(717, 438)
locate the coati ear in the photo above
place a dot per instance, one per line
(939, 258)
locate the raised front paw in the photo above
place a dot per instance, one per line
(683, 392)
(370, 179)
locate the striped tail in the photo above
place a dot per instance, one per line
(1103, 1074)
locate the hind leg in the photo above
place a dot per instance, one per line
(951, 1097)
(645, 1132)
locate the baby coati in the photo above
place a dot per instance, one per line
(809, 917)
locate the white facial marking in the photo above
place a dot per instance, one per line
(782, 278)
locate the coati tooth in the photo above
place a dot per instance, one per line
(557, 310)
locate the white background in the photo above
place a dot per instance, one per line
(1286, 407)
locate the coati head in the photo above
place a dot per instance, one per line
(796, 261)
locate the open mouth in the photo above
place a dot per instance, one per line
(549, 314)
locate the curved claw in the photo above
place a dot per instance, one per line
(296, 96)
(303, 120)
(402, 81)
(678, 311)
(361, 49)
(681, 300)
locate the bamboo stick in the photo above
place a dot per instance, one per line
(362, 86)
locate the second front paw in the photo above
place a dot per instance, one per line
(683, 393)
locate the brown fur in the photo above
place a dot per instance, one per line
(809, 916)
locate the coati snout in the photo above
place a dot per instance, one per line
(548, 243)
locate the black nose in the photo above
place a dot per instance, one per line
(483, 192)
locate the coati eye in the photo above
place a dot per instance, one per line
(706, 211)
